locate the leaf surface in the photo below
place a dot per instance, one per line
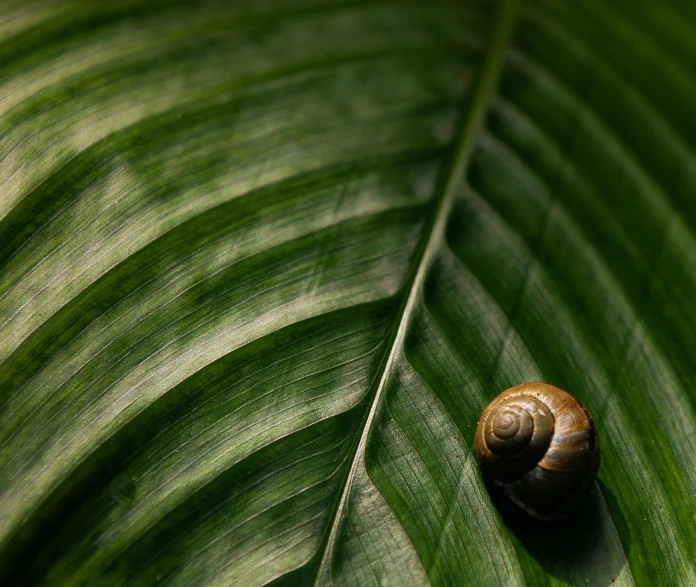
(264, 263)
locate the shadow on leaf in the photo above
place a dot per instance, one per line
(583, 550)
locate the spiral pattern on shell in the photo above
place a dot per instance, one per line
(538, 446)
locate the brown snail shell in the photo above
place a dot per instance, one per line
(538, 447)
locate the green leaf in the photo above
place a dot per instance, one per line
(263, 264)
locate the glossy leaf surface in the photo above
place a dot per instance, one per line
(263, 263)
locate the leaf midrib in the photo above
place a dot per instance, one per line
(433, 236)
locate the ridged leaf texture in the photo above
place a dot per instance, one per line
(263, 263)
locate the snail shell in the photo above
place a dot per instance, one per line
(538, 446)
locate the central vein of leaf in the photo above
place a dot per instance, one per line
(475, 108)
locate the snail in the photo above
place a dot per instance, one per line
(537, 446)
